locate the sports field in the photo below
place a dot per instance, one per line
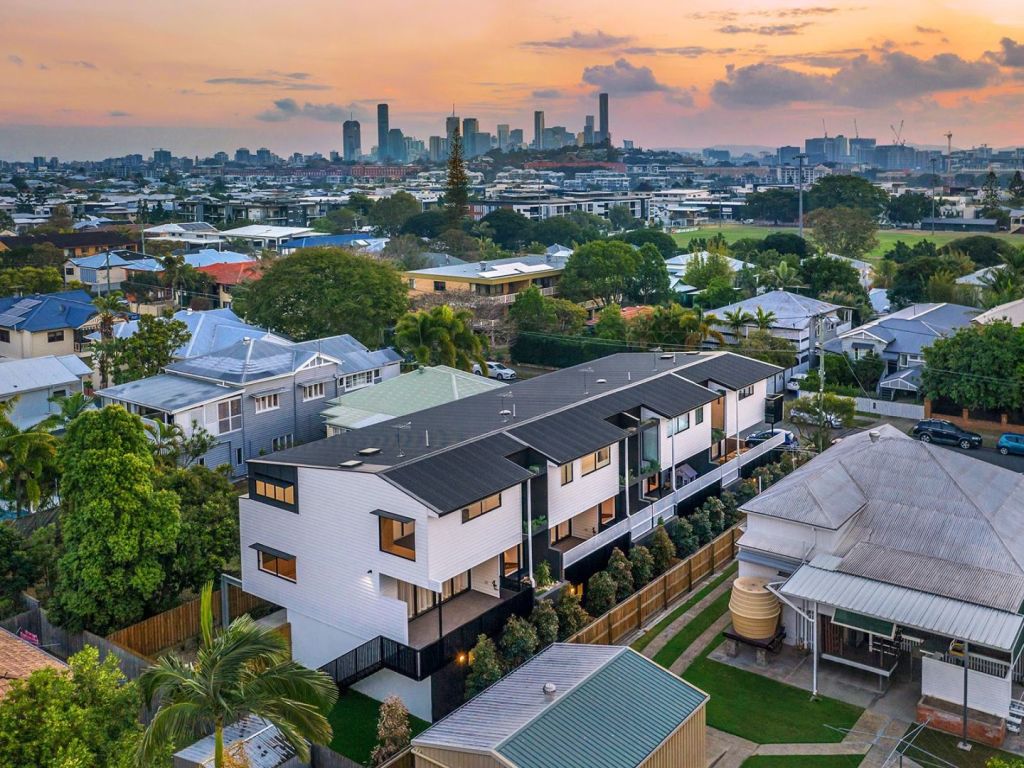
(886, 237)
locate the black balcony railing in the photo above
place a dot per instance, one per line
(420, 663)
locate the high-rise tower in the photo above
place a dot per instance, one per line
(538, 129)
(602, 126)
(351, 141)
(383, 126)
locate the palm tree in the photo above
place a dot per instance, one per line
(28, 460)
(242, 670)
(782, 277)
(702, 327)
(177, 274)
(737, 319)
(441, 336)
(884, 273)
(109, 306)
(166, 441)
(764, 320)
(71, 407)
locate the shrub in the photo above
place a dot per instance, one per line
(600, 593)
(518, 641)
(683, 537)
(571, 616)
(484, 666)
(716, 514)
(545, 622)
(393, 731)
(642, 562)
(542, 575)
(622, 574)
(702, 529)
(662, 550)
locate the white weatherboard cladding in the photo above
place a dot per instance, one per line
(788, 538)
(750, 409)
(687, 443)
(415, 695)
(455, 546)
(315, 643)
(985, 693)
(565, 501)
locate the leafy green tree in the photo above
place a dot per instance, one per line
(849, 232)
(6, 222)
(910, 283)
(116, 526)
(245, 669)
(702, 528)
(763, 345)
(18, 570)
(85, 716)
(825, 273)
(820, 410)
(150, 349)
(737, 320)
(774, 205)
(786, 243)
(571, 616)
(325, 291)
(701, 271)
(570, 317)
(108, 307)
(545, 623)
(518, 641)
(456, 191)
(650, 283)
(600, 271)
(620, 569)
(663, 551)
(979, 366)
(683, 536)
(531, 312)
(28, 280)
(390, 213)
(338, 222)
(1016, 188)
(601, 589)
(719, 293)
(641, 562)
(716, 514)
(620, 217)
(611, 325)
(841, 191)
(673, 325)
(429, 224)
(983, 250)
(440, 336)
(28, 466)
(393, 730)
(485, 667)
(781, 277)
(44, 550)
(406, 252)
(908, 208)
(509, 229)
(663, 241)
(177, 275)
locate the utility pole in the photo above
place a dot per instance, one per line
(800, 195)
(934, 161)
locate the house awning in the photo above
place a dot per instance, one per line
(392, 516)
(864, 623)
(271, 551)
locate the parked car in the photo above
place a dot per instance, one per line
(942, 431)
(790, 440)
(495, 370)
(794, 382)
(798, 416)
(1010, 443)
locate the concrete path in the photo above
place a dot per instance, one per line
(702, 641)
(676, 626)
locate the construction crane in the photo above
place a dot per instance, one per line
(949, 143)
(856, 133)
(823, 128)
(898, 134)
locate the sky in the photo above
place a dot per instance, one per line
(110, 77)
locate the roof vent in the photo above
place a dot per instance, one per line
(550, 691)
(350, 464)
(368, 451)
(874, 434)
(668, 356)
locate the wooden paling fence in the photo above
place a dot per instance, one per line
(633, 612)
(179, 624)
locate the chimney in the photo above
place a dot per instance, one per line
(874, 434)
(550, 691)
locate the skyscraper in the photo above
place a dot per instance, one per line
(470, 128)
(395, 144)
(503, 137)
(383, 126)
(351, 141)
(516, 139)
(538, 129)
(588, 130)
(451, 124)
(602, 110)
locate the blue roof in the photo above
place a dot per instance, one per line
(46, 312)
(167, 392)
(911, 329)
(207, 256)
(209, 330)
(31, 373)
(314, 240)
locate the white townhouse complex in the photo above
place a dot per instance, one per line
(393, 546)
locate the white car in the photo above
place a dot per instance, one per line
(495, 371)
(794, 382)
(809, 417)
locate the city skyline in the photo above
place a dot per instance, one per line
(761, 73)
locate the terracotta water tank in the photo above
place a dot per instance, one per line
(755, 611)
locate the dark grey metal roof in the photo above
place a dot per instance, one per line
(734, 371)
(567, 435)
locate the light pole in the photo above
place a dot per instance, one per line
(934, 161)
(800, 194)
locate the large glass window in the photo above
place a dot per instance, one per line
(698, 415)
(278, 564)
(54, 336)
(679, 424)
(560, 532)
(229, 415)
(510, 560)
(566, 472)
(278, 490)
(398, 537)
(313, 391)
(594, 461)
(746, 392)
(268, 402)
(481, 507)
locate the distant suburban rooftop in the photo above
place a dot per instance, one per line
(911, 329)
(19, 659)
(263, 230)
(496, 269)
(1011, 312)
(611, 708)
(77, 240)
(678, 264)
(456, 453)
(169, 393)
(184, 227)
(791, 309)
(33, 373)
(425, 387)
(46, 311)
(264, 746)
(232, 274)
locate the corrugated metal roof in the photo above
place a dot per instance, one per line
(31, 373)
(166, 392)
(265, 747)
(906, 607)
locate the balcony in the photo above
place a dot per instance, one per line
(447, 617)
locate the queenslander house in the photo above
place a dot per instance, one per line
(393, 546)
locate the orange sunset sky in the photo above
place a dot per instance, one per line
(107, 77)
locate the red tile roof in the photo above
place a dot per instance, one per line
(232, 274)
(19, 659)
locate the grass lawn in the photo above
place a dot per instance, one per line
(944, 746)
(683, 639)
(886, 237)
(763, 710)
(354, 720)
(644, 640)
(803, 761)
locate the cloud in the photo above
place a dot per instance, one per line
(289, 109)
(1010, 54)
(547, 93)
(781, 13)
(586, 41)
(892, 77)
(42, 66)
(240, 81)
(15, 59)
(769, 30)
(292, 75)
(83, 64)
(928, 30)
(686, 51)
(269, 82)
(118, 113)
(624, 80)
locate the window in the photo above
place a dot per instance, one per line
(439, 285)
(277, 563)
(278, 490)
(678, 424)
(268, 402)
(566, 472)
(54, 336)
(313, 391)
(357, 380)
(282, 442)
(238, 455)
(58, 393)
(229, 416)
(606, 510)
(746, 392)
(698, 415)
(560, 532)
(510, 560)
(5, 336)
(594, 461)
(398, 537)
(481, 507)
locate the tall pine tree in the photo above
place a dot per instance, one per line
(456, 195)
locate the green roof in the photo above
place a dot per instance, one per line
(615, 718)
(864, 623)
(408, 393)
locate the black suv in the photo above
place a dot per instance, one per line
(942, 431)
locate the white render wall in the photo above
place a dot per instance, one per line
(415, 695)
(565, 501)
(684, 444)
